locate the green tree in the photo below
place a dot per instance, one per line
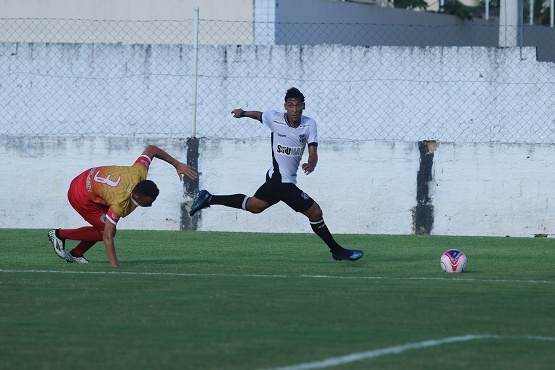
(457, 8)
(411, 4)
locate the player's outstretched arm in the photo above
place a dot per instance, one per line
(153, 151)
(108, 238)
(254, 114)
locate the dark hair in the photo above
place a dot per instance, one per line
(146, 188)
(294, 93)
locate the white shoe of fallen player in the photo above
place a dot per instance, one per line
(57, 243)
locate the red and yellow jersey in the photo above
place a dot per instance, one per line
(112, 186)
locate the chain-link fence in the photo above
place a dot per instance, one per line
(63, 77)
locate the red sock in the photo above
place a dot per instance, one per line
(82, 247)
(87, 233)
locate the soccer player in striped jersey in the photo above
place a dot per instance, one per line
(292, 132)
(103, 195)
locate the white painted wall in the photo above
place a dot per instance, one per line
(356, 191)
(466, 94)
(363, 187)
(36, 173)
(493, 189)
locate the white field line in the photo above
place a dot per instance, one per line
(336, 361)
(185, 274)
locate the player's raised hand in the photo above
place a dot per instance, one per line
(184, 169)
(254, 114)
(238, 113)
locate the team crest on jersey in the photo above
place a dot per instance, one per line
(302, 139)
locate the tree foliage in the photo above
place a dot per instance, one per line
(411, 4)
(457, 8)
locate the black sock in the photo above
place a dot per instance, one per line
(234, 201)
(320, 229)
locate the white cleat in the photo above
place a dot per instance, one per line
(72, 259)
(57, 243)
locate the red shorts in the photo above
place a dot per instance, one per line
(80, 200)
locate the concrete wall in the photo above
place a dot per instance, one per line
(390, 93)
(241, 22)
(148, 21)
(37, 171)
(492, 189)
(363, 187)
(357, 193)
(307, 22)
(135, 10)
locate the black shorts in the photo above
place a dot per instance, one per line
(273, 192)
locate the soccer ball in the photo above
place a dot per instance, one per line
(453, 260)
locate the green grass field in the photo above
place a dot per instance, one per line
(200, 300)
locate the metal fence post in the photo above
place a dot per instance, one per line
(195, 74)
(191, 187)
(551, 5)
